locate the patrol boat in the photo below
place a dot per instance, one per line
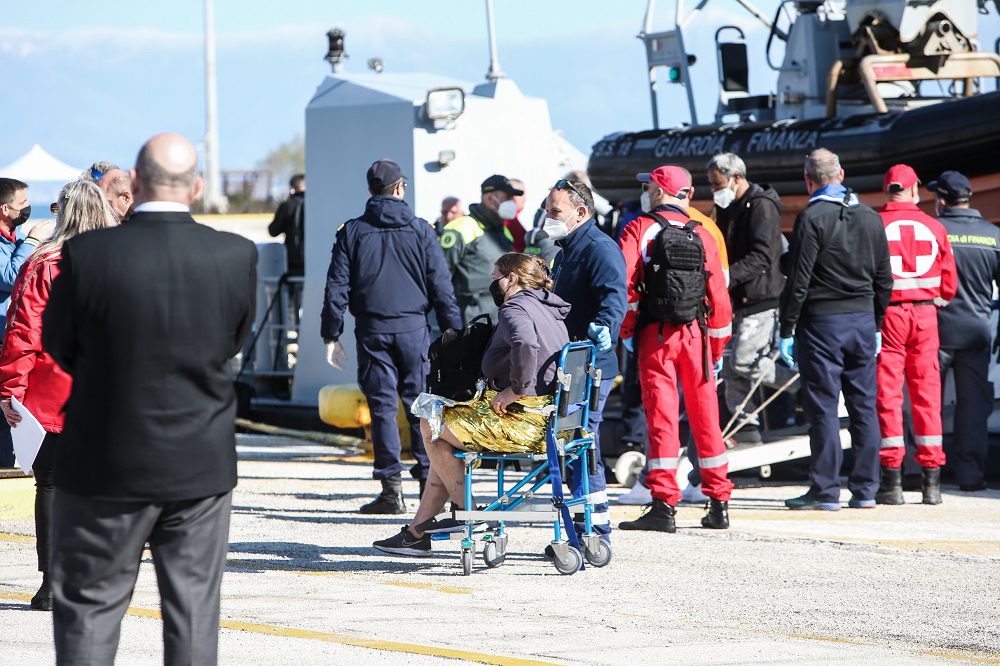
(876, 81)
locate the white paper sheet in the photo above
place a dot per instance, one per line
(27, 436)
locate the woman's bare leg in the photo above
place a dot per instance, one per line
(431, 504)
(447, 472)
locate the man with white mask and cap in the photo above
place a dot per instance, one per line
(589, 274)
(749, 216)
(474, 242)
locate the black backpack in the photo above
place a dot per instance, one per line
(674, 286)
(455, 359)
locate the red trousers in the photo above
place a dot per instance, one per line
(661, 363)
(910, 351)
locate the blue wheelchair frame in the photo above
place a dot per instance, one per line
(578, 382)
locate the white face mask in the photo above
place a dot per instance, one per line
(507, 210)
(644, 202)
(556, 229)
(724, 198)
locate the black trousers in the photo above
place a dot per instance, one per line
(42, 468)
(973, 406)
(96, 551)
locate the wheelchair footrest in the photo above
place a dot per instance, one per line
(523, 516)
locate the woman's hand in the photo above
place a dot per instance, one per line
(502, 399)
(13, 418)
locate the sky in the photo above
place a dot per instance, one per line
(93, 81)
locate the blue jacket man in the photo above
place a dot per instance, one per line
(389, 271)
(589, 274)
(15, 247)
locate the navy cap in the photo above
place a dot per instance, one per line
(498, 183)
(383, 173)
(951, 185)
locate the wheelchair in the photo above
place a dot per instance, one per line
(568, 447)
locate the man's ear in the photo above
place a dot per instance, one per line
(196, 190)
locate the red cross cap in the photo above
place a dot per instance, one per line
(912, 248)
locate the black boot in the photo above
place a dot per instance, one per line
(717, 517)
(890, 489)
(390, 500)
(659, 517)
(43, 598)
(932, 485)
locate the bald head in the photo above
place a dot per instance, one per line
(166, 169)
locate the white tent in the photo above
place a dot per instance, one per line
(44, 174)
(38, 165)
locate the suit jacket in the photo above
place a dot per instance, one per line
(145, 317)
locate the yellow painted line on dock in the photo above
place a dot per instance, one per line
(962, 655)
(340, 639)
(16, 538)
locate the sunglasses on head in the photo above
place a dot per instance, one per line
(563, 184)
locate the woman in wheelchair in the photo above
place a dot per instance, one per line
(519, 365)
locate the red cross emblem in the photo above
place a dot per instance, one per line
(912, 248)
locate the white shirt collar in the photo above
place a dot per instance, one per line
(161, 207)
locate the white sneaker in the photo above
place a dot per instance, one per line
(638, 495)
(693, 495)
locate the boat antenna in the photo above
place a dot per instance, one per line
(494, 72)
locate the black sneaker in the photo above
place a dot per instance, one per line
(405, 543)
(448, 526)
(972, 487)
(43, 598)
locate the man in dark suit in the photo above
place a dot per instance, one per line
(146, 317)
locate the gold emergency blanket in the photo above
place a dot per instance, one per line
(479, 428)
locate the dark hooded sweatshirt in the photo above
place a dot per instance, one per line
(524, 350)
(752, 225)
(389, 270)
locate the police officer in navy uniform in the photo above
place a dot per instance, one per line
(474, 242)
(388, 270)
(964, 327)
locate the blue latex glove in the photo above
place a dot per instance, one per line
(878, 343)
(718, 368)
(786, 347)
(629, 345)
(601, 335)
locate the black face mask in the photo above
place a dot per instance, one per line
(23, 217)
(496, 292)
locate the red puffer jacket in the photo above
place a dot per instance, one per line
(26, 372)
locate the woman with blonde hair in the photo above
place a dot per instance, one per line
(26, 371)
(519, 365)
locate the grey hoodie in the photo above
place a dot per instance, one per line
(524, 350)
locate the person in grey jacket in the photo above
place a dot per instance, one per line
(519, 365)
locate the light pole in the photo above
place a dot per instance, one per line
(213, 186)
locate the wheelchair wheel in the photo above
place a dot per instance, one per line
(599, 558)
(572, 564)
(492, 555)
(467, 556)
(628, 467)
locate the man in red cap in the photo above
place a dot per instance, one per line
(678, 323)
(924, 279)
